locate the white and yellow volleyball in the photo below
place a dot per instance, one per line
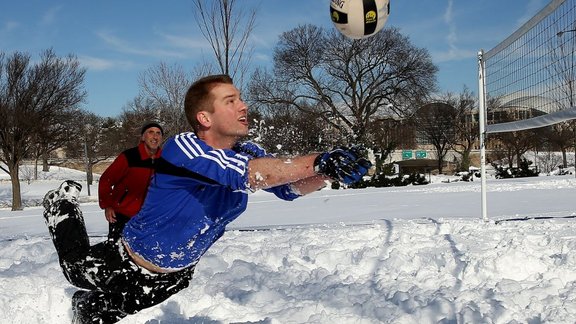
(358, 19)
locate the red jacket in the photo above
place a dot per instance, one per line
(124, 184)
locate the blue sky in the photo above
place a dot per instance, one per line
(118, 40)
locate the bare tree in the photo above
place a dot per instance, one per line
(346, 82)
(548, 160)
(465, 126)
(31, 95)
(165, 87)
(513, 145)
(137, 112)
(436, 126)
(110, 142)
(510, 146)
(95, 139)
(287, 131)
(387, 134)
(562, 70)
(227, 27)
(54, 134)
(561, 136)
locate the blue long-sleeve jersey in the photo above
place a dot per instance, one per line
(196, 191)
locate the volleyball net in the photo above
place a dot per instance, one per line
(529, 79)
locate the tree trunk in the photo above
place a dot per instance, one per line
(564, 159)
(36, 169)
(465, 163)
(440, 162)
(16, 195)
(89, 174)
(45, 166)
(510, 157)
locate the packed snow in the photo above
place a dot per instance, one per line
(416, 254)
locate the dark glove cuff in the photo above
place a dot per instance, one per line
(317, 162)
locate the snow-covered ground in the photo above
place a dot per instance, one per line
(417, 254)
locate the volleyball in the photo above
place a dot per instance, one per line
(358, 19)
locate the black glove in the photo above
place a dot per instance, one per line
(342, 164)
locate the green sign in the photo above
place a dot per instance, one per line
(406, 155)
(420, 154)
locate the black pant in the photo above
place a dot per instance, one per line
(118, 287)
(115, 229)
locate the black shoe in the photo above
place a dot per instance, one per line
(81, 309)
(90, 307)
(62, 203)
(68, 189)
(49, 198)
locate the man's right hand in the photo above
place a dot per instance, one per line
(110, 215)
(342, 164)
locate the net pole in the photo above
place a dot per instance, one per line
(482, 131)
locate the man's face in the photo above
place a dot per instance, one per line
(230, 116)
(152, 138)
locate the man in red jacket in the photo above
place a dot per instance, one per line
(124, 184)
